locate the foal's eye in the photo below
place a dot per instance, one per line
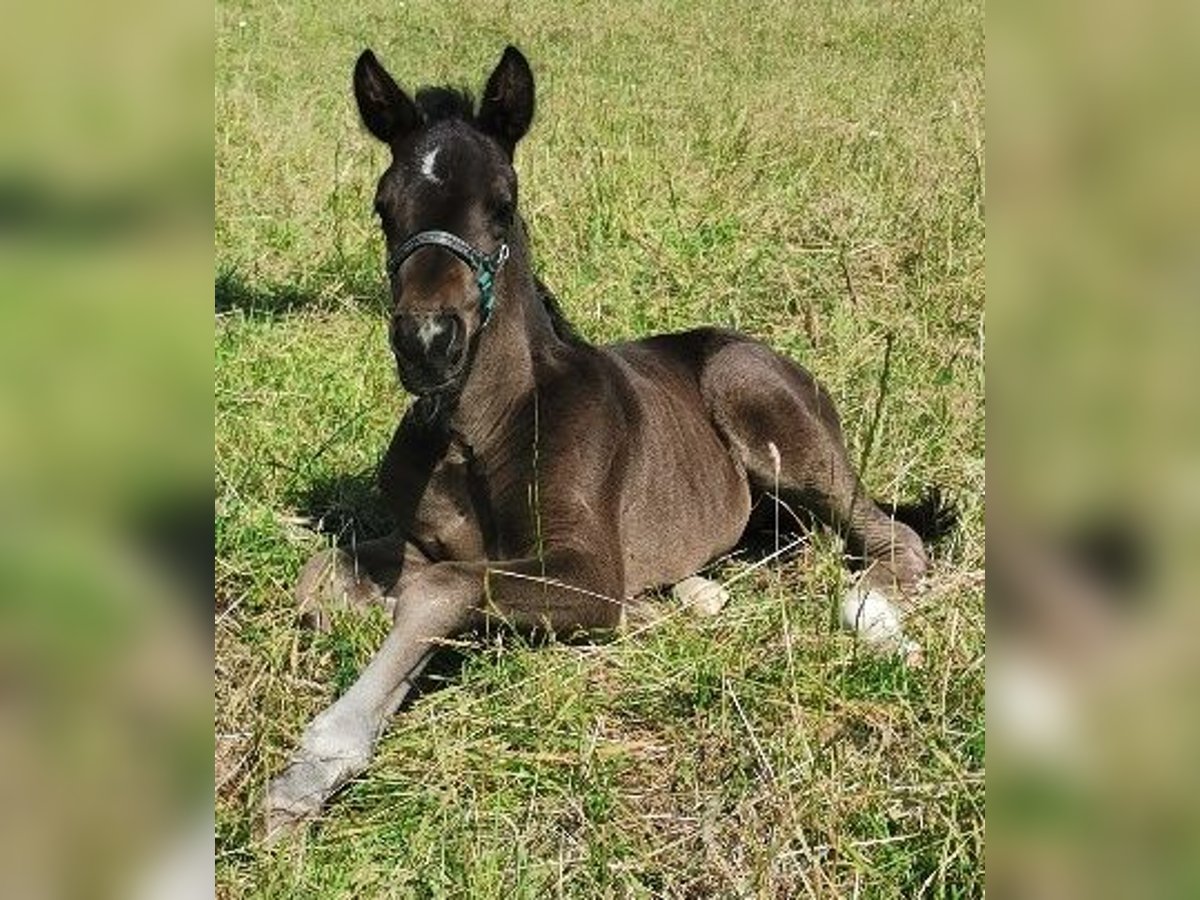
(503, 212)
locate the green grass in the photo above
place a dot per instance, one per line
(808, 172)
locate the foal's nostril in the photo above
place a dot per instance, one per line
(434, 339)
(440, 336)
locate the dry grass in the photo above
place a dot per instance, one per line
(809, 173)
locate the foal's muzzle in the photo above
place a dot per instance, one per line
(430, 350)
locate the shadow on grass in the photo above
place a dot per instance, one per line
(778, 532)
(348, 507)
(232, 290)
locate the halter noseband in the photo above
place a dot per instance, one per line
(485, 267)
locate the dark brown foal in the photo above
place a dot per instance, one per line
(538, 480)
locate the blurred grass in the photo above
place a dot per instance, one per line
(1092, 286)
(810, 173)
(105, 437)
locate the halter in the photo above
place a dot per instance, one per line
(485, 267)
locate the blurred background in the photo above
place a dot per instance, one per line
(105, 449)
(1094, 486)
(106, 442)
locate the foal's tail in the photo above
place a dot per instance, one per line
(932, 517)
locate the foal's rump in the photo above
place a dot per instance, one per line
(769, 413)
(725, 421)
(779, 427)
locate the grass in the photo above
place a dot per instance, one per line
(808, 172)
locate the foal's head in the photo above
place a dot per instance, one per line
(447, 204)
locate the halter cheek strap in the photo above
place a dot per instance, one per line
(484, 266)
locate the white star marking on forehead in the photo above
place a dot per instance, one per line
(427, 165)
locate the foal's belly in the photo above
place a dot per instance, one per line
(687, 503)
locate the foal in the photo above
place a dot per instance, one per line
(538, 480)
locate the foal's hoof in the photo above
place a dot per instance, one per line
(294, 797)
(333, 750)
(703, 597)
(877, 622)
(280, 826)
(286, 808)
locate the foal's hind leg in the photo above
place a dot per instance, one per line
(783, 428)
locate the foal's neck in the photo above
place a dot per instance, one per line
(502, 373)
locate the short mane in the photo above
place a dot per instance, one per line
(558, 320)
(437, 104)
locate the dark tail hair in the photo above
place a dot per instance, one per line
(932, 517)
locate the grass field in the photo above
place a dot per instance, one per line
(811, 173)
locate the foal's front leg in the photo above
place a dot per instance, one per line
(563, 591)
(338, 743)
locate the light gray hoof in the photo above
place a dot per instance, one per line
(328, 757)
(293, 798)
(703, 597)
(877, 622)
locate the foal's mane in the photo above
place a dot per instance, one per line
(558, 321)
(445, 103)
(437, 104)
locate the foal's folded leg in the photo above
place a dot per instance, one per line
(562, 592)
(371, 573)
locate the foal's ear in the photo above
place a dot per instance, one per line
(386, 110)
(507, 107)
